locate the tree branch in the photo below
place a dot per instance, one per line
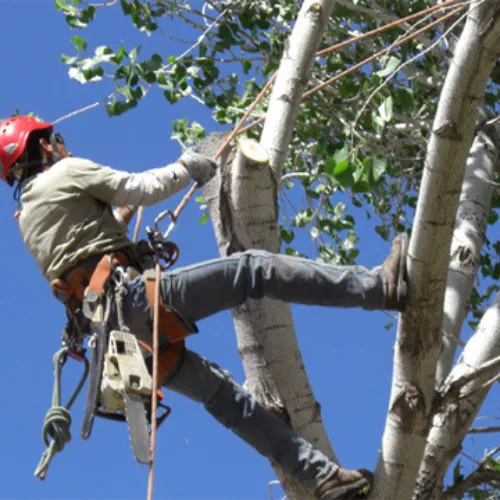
(489, 368)
(482, 475)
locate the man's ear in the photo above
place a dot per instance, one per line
(46, 149)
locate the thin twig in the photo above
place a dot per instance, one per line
(493, 120)
(409, 61)
(376, 31)
(101, 5)
(82, 110)
(200, 40)
(484, 430)
(381, 52)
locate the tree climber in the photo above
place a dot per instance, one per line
(67, 223)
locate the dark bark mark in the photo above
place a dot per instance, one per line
(251, 349)
(449, 131)
(465, 256)
(409, 405)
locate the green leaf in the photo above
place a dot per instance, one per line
(69, 59)
(127, 7)
(120, 55)
(391, 64)
(457, 474)
(341, 154)
(78, 41)
(125, 91)
(104, 50)
(385, 109)
(156, 62)
(247, 66)
(383, 231)
(203, 219)
(493, 464)
(340, 168)
(330, 165)
(379, 166)
(493, 217)
(134, 54)
(87, 15)
(93, 74)
(405, 98)
(287, 235)
(61, 5)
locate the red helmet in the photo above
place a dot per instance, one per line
(14, 135)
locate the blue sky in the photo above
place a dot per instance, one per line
(347, 354)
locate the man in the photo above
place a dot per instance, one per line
(66, 221)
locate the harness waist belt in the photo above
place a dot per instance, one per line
(91, 276)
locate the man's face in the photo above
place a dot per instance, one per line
(48, 149)
(61, 146)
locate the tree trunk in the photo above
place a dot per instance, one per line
(419, 336)
(468, 239)
(243, 207)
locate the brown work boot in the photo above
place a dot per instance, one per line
(394, 268)
(345, 485)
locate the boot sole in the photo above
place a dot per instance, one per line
(347, 492)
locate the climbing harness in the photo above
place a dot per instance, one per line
(120, 385)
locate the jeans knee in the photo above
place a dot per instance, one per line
(230, 404)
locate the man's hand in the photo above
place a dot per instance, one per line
(200, 168)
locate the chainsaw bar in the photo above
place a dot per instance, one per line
(97, 348)
(137, 421)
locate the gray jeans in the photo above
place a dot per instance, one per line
(204, 289)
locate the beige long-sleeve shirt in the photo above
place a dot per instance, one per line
(67, 215)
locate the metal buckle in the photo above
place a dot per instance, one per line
(165, 250)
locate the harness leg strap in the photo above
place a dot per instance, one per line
(172, 326)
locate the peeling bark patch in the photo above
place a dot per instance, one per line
(408, 405)
(412, 396)
(285, 98)
(449, 131)
(465, 256)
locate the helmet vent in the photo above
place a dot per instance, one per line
(11, 148)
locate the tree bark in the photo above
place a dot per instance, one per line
(468, 239)
(452, 422)
(419, 335)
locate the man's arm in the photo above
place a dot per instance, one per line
(120, 189)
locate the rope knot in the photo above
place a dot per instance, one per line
(56, 427)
